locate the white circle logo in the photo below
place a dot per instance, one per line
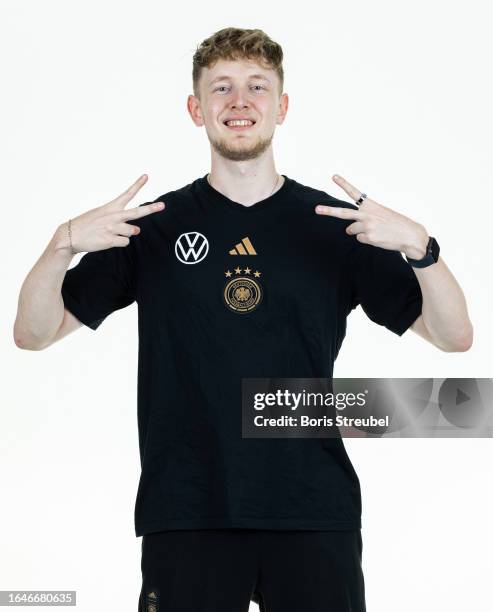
(191, 247)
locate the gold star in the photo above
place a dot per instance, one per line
(238, 270)
(247, 270)
(256, 273)
(228, 273)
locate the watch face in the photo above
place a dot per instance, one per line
(435, 249)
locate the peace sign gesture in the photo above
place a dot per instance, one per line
(106, 226)
(378, 225)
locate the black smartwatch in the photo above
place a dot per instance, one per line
(431, 256)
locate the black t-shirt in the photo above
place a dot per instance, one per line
(201, 332)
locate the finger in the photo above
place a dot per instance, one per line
(126, 229)
(355, 228)
(123, 199)
(342, 213)
(141, 211)
(352, 192)
(119, 241)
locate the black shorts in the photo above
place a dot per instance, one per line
(222, 570)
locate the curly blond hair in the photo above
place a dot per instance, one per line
(238, 43)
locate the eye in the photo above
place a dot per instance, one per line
(225, 87)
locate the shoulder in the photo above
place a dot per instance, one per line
(181, 197)
(307, 197)
(174, 197)
(312, 196)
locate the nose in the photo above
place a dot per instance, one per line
(239, 105)
(239, 99)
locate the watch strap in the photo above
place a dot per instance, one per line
(431, 255)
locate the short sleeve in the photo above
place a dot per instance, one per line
(102, 282)
(385, 285)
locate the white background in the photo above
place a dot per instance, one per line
(396, 97)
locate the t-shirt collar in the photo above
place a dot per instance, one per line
(219, 198)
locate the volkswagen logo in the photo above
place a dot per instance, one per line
(191, 247)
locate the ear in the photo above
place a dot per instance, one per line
(283, 108)
(194, 109)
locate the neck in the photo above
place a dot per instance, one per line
(245, 184)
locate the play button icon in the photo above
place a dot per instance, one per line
(466, 402)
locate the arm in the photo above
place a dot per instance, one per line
(40, 310)
(41, 314)
(444, 320)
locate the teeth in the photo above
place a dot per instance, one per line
(239, 122)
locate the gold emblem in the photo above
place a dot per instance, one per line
(242, 293)
(245, 247)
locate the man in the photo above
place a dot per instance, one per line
(240, 274)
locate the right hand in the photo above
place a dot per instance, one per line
(106, 226)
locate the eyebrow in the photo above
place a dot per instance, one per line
(225, 77)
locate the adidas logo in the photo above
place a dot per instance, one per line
(245, 247)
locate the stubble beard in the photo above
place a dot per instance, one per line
(241, 153)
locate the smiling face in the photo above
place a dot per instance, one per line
(238, 89)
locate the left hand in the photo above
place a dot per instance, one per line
(378, 225)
